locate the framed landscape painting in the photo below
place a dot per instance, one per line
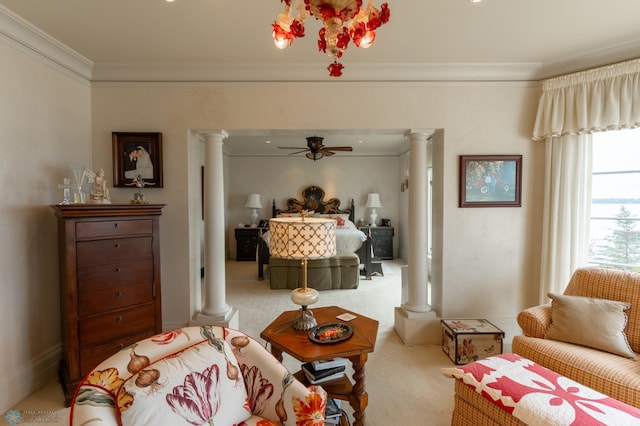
(137, 158)
(490, 180)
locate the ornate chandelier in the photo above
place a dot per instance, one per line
(343, 20)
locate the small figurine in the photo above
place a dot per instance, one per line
(138, 197)
(100, 193)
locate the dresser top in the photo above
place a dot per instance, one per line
(93, 210)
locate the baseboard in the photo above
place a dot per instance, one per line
(31, 376)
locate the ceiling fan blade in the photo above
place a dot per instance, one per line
(298, 152)
(326, 152)
(339, 148)
(290, 147)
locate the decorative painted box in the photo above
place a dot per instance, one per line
(468, 340)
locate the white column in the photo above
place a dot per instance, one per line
(415, 322)
(215, 309)
(418, 214)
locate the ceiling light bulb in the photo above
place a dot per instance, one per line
(280, 43)
(368, 39)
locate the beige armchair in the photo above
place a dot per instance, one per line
(193, 376)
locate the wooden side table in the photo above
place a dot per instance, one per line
(284, 338)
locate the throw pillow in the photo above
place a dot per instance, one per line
(342, 219)
(196, 386)
(596, 323)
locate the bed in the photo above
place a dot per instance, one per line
(350, 241)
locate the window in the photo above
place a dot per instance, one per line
(615, 200)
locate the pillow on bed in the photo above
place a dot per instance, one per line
(596, 323)
(342, 220)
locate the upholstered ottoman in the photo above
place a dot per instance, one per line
(337, 272)
(511, 390)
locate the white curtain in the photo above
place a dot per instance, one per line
(571, 108)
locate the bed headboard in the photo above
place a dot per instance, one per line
(313, 200)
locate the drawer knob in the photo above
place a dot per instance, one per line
(118, 293)
(117, 245)
(120, 346)
(115, 225)
(117, 269)
(119, 318)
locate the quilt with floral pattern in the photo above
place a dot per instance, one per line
(539, 396)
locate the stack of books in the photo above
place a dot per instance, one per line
(324, 371)
(332, 412)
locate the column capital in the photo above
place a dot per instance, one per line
(419, 134)
(214, 134)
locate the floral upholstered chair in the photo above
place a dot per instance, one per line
(195, 376)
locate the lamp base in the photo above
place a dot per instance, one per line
(306, 320)
(373, 218)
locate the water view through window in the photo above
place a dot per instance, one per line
(615, 202)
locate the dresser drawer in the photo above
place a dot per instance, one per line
(96, 277)
(113, 228)
(93, 355)
(107, 299)
(104, 251)
(114, 324)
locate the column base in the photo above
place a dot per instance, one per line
(418, 328)
(230, 319)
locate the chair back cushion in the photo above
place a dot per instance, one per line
(198, 385)
(612, 284)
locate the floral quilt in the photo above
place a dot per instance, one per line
(539, 396)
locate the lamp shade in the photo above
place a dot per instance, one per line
(295, 238)
(373, 200)
(253, 201)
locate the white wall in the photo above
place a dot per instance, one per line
(280, 178)
(45, 126)
(490, 256)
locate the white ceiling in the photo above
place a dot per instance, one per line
(229, 40)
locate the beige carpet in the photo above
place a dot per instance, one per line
(404, 383)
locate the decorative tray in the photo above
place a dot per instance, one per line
(331, 333)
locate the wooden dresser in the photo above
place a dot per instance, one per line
(109, 282)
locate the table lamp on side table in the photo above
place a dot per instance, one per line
(303, 238)
(373, 202)
(254, 203)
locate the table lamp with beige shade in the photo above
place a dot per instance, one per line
(303, 238)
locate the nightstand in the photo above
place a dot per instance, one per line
(381, 240)
(247, 243)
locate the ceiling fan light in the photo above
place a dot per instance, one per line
(315, 156)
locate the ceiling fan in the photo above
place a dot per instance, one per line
(316, 149)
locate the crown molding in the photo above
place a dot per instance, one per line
(29, 39)
(264, 73)
(24, 36)
(592, 59)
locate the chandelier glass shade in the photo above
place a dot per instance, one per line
(343, 21)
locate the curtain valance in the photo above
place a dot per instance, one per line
(604, 98)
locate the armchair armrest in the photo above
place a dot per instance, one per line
(534, 321)
(274, 393)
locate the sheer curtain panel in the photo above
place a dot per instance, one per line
(572, 107)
